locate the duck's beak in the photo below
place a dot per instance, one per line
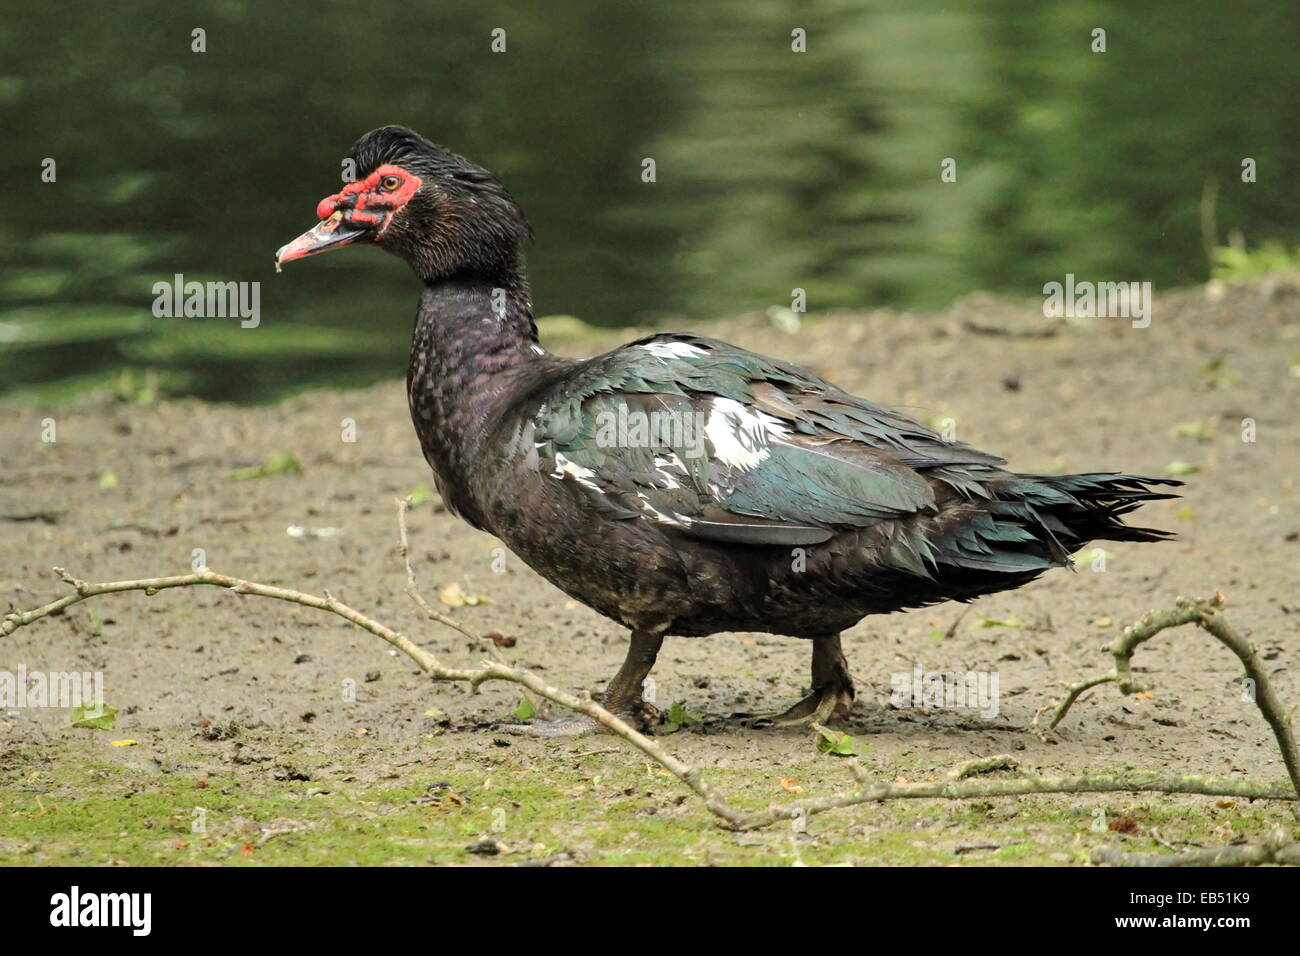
(331, 233)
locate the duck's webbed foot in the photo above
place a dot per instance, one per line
(622, 697)
(832, 695)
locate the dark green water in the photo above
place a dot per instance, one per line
(775, 169)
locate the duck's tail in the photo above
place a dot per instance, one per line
(1075, 509)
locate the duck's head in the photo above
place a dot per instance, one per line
(443, 214)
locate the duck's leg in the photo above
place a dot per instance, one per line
(622, 696)
(832, 694)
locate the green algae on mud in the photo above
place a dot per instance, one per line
(600, 809)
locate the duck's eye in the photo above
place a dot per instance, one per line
(390, 182)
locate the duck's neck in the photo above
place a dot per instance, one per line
(473, 339)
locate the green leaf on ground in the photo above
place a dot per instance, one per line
(833, 742)
(94, 716)
(1201, 431)
(677, 718)
(281, 463)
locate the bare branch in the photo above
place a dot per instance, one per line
(1205, 614)
(1277, 848)
(489, 670)
(432, 613)
(1028, 784)
(983, 765)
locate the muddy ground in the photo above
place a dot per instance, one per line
(238, 707)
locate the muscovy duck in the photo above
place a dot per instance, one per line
(680, 485)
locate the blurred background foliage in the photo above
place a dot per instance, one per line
(775, 170)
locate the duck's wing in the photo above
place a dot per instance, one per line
(723, 444)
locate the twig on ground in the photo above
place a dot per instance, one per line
(998, 331)
(1028, 784)
(1205, 614)
(983, 765)
(952, 628)
(1276, 848)
(961, 848)
(432, 613)
(1155, 835)
(280, 828)
(488, 671)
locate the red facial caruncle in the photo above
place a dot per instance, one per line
(377, 197)
(363, 209)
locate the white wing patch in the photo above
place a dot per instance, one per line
(740, 436)
(663, 517)
(671, 350)
(666, 460)
(564, 468)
